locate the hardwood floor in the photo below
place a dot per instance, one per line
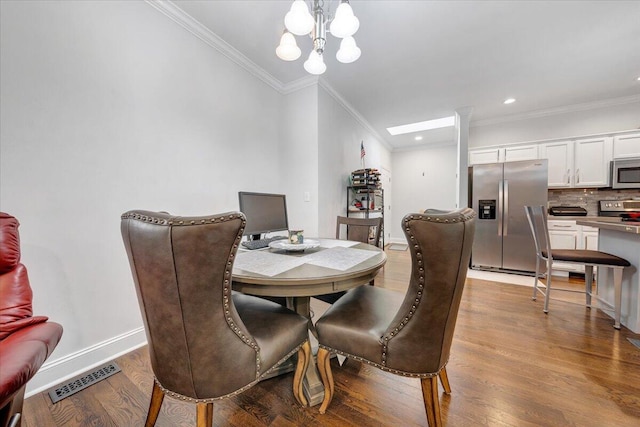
(510, 365)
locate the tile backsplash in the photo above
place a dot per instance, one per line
(588, 197)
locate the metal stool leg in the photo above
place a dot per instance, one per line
(617, 285)
(548, 287)
(535, 279)
(588, 282)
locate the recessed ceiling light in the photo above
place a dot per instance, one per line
(420, 126)
(509, 101)
(638, 79)
(418, 138)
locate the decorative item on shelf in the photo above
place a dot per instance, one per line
(366, 202)
(366, 178)
(299, 21)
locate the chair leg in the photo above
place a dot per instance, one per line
(547, 292)
(588, 282)
(204, 414)
(617, 286)
(444, 379)
(324, 368)
(304, 356)
(431, 402)
(535, 279)
(157, 396)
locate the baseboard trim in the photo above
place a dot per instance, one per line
(74, 364)
(398, 240)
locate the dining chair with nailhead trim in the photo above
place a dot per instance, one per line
(410, 334)
(205, 342)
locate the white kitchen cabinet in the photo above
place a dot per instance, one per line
(560, 162)
(520, 152)
(566, 234)
(512, 153)
(591, 162)
(486, 155)
(626, 146)
(589, 238)
(578, 164)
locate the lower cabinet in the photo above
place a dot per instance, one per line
(566, 234)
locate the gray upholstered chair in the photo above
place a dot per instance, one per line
(538, 222)
(205, 341)
(409, 334)
(365, 230)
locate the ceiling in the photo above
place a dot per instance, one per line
(422, 60)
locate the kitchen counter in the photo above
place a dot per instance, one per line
(583, 218)
(612, 224)
(621, 239)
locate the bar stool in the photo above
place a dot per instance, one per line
(538, 222)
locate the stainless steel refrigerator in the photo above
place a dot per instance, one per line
(498, 193)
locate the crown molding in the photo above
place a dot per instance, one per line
(173, 12)
(301, 83)
(186, 21)
(558, 110)
(354, 113)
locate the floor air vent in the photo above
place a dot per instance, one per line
(85, 380)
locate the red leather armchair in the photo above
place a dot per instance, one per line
(26, 341)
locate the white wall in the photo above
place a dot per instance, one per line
(423, 178)
(106, 107)
(340, 135)
(299, 158)
(610, 118)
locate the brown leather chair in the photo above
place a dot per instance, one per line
(538, 222)
(365, 230)
(205, 342)
(409, 334)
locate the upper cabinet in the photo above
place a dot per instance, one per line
(625, 146)
(483, 156)
(560, 160)
(521, 152)
(578, 164)
(591, 162)
(506, 154)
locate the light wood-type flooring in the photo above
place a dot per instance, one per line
(510, 365)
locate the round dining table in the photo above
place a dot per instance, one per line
(332, 266)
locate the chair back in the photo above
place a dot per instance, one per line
(365, 230)
(538, 223)
(182, 269)
(419, 337)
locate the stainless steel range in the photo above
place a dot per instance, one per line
(628, 210)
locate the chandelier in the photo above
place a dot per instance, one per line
(300, 21)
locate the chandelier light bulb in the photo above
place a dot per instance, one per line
(345, 23)
(288, 50)
(298, 20)
(315, 64)
(349, 51)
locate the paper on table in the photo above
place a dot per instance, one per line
(266, 263)
(337, 243)
(339, 258)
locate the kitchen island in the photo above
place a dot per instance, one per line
(622, 239)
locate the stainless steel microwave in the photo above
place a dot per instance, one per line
(625, 173)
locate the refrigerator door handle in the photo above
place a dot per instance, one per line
(500, 205)
(505, 209)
